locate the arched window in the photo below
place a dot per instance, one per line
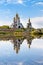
(19, 27)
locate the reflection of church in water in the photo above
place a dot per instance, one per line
(17, 43)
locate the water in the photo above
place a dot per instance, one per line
(22, 51)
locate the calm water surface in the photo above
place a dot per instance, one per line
(21, 52)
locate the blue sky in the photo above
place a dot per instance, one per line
(26, 9)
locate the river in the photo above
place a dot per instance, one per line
(21, 52)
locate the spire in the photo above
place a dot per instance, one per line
(16, 15)
(29, 24)
(29, 20)
(14, 18)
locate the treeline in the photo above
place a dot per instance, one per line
(37, 31)
(4, 27)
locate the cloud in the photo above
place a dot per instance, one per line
(20, 63)
(7, 19)
(22, 2)
(24, 21)
(37, 45)
(39, 3)
(37, 22)
(39, 62)
(5, 22)
(34, 3)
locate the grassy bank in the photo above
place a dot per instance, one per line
(19, 32)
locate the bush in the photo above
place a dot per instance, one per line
(4, 26)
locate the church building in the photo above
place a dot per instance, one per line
(16, 22)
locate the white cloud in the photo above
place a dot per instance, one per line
(20, 63)
(5, 22)
(40, 61)
(22, 2)
(38, 45)
(37, 22)
(6, 2)
(24, 22)
(39, 3)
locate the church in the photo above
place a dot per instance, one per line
(16, 22)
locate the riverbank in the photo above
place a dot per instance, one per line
(20, 32)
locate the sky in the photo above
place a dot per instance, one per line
(26, 9)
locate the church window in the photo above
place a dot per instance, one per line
(19, 27)
(16, 24)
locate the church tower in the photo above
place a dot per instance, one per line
(29, 24)
(16, 22)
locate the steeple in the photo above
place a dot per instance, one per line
(29, 20)
(29, 24)
(14, 19)
(17, 16)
